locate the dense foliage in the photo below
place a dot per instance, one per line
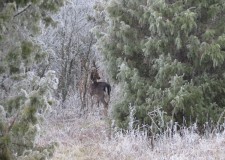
(25, 89)
(169, 57)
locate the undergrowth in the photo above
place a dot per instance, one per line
(87, 138)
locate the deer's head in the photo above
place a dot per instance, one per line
(95, 75)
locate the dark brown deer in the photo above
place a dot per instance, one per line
(99, 90)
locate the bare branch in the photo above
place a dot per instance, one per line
(22, 11)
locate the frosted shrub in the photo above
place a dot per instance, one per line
(86, 138)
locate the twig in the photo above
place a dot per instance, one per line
(221, 115)
(22, 11)
(21, 145)
(12, 123)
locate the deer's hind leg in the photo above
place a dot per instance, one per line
(105, 104)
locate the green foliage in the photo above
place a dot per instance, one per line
(169, 58)
(24, 95)
(26, 49)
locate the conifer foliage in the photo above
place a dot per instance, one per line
(169, 57)
(25, 92)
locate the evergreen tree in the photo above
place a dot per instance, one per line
(24, 92)
(169, 57)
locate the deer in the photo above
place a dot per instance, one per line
(99, 90)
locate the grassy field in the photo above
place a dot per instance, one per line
(87, 138)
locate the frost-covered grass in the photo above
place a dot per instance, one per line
(86, 138)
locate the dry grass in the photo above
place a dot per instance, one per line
(86, 139)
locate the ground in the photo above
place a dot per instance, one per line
(87, 138)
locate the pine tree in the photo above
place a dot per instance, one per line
(169, 56)
(25, 93)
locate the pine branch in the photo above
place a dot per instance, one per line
(22, 11)
(222, 49)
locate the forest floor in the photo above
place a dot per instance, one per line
(87, 138)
